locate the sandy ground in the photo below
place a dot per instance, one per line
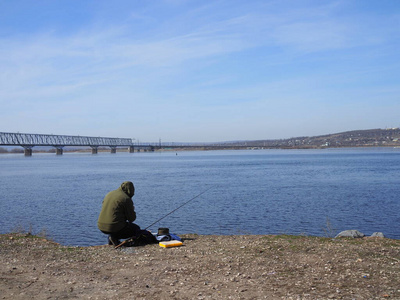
(205, 267)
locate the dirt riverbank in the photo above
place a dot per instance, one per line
(205, 267)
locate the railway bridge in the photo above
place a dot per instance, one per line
(28, 141)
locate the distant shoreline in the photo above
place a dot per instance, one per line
(125, 150)
(350, 139)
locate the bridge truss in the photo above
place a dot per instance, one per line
(27, 141)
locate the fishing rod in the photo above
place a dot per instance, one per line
(178, 208)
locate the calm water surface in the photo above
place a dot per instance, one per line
(252, 192)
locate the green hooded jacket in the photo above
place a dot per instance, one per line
(117, 208)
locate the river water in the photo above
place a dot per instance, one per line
(311, 192)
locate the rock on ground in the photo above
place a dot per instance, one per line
(350, 233)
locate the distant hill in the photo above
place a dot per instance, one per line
(355, 138)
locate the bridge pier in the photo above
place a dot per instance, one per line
(113, 149)
(94, 149)
(59, 150)
(27, 150)
(131, 149)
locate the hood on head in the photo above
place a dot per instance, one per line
(128, 188)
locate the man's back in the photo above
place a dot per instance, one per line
(117, 209)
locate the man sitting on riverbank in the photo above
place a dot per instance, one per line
(117, 215)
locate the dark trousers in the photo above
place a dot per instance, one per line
(130, 230)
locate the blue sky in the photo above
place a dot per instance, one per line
(199, 71)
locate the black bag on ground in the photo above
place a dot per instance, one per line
(144, 238)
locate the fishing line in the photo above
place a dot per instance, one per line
(178, 207)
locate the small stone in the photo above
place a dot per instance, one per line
(350, 233)
(378, 234)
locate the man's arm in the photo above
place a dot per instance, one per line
(130, 211)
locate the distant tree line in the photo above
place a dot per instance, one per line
(19, 150)
(13, 150)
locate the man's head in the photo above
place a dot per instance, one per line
(128, 188)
